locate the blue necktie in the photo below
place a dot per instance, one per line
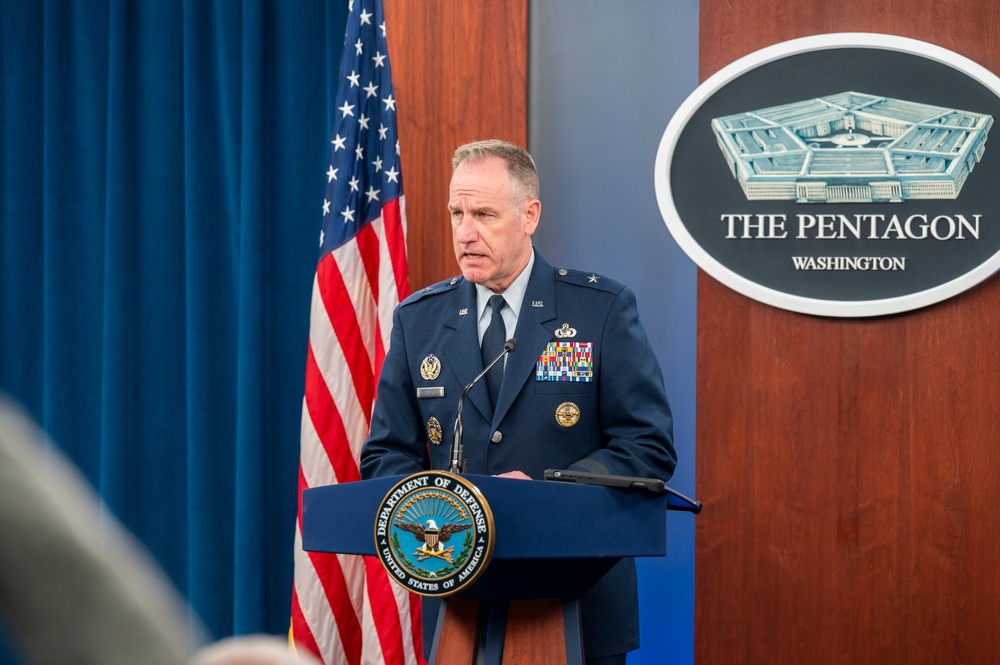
(493, 341)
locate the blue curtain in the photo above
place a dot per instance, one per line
(162, 173)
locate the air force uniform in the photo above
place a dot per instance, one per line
(582, 390)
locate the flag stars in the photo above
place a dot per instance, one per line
(359, 46)
(382, 27)
(339, 142)
(354, 78)
(347, 109)
(353, 183)
(372, 194)
(392, 174)
(366, 18)
(372, 90)
(382, 131)
(322, 236)
(377, 164)
(359, 152)
(363, 121)
(390, 103)
(326, 207)
(331, 174)
(347, 214)
(379, 59)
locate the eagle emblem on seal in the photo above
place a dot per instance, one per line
(433, 538)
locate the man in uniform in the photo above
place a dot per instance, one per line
(582, 390)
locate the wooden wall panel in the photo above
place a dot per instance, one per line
(849, 468)
(460, 69)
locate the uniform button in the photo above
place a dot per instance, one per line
(497, 437)
(563, 272)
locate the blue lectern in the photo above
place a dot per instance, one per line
(554, 541)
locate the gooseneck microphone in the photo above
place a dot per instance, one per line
(457, 451)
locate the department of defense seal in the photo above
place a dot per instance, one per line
(434, 533)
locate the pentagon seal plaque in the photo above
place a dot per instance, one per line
(434, 533)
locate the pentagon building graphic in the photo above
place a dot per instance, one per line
(852, 147)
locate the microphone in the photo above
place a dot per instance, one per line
(457, 451)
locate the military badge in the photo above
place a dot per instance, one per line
(434, 431)
(567, 414)
(566, 361)
(434, 533)
(565, 331)
(430, 367)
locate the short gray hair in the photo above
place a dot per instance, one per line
(520, 166)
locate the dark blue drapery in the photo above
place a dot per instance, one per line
(161, 177)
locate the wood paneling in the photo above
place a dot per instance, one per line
(849, 468)
(460, 70)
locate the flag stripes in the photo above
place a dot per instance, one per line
(345, 609)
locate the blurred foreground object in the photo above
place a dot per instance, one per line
(75, 586)
(253, 650)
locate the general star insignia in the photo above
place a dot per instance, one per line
(592, 279)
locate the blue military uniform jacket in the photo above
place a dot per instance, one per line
(589, 396)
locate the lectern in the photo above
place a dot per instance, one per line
(553, 542)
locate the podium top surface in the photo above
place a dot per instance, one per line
(532, 519)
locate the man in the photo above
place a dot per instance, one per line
(582, 389)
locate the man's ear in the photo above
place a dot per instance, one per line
(530, 215)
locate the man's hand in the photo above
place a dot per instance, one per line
(514, 474)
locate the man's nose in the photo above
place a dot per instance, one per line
(466, 230)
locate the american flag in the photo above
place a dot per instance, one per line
(344, 608)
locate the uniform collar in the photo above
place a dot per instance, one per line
(514, 295)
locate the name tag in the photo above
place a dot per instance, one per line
(426, 393)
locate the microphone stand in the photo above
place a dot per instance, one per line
(457, 449)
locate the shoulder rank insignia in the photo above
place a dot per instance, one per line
(430, 367)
